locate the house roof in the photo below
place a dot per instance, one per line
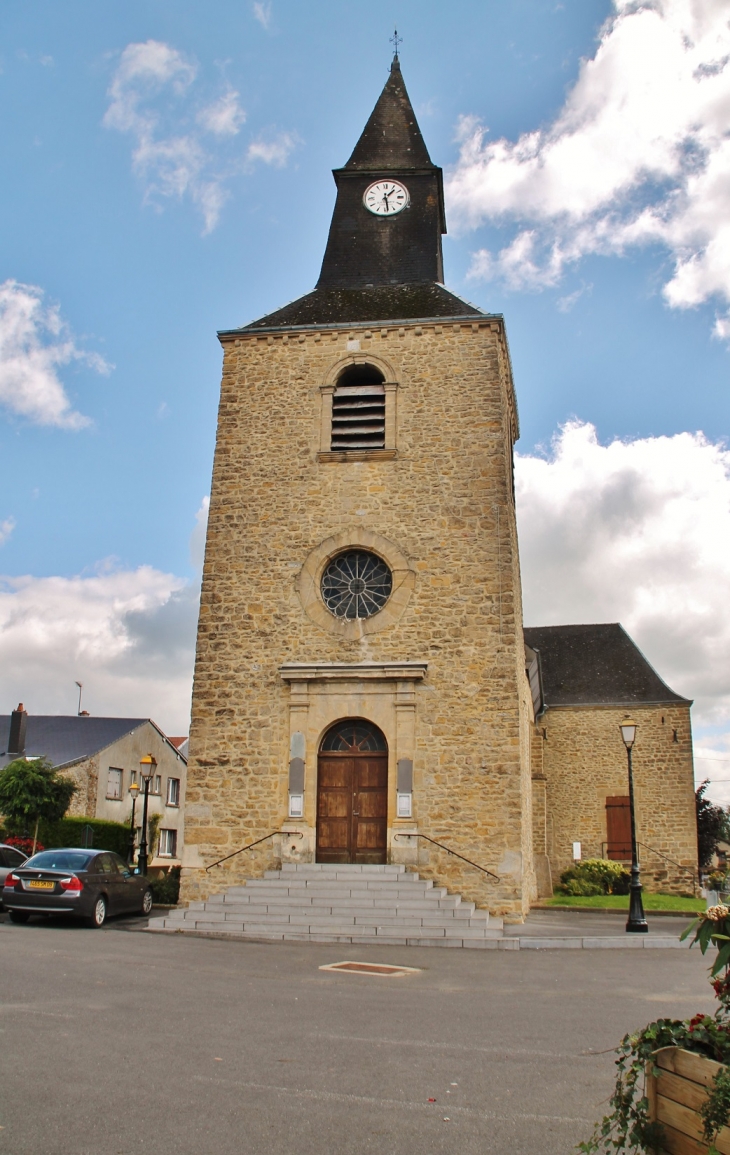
(65, 739)
(595, 665)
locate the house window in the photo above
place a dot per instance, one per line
(114, 783)
(358, 409)
(156, 784)
(168, 844)
(356, 584)
(173, 791)
(133, 778)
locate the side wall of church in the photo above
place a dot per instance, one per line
(443, 500)
(584, 762)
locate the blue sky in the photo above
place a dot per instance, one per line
(167, 174)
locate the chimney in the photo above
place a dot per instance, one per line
(18, 725)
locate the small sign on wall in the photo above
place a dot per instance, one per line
(296, 805)
(576, 852)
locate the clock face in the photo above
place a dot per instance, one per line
(385, 198)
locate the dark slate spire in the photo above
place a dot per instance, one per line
(365, 250)
(391, 140)
(379, 268)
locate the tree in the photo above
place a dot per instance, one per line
(713, 825)
(31, 790)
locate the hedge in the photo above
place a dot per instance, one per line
(70, 832)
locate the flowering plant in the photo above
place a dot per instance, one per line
(24, 845)
(712, 928)
(628, 1127)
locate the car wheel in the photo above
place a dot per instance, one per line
(98, 917)
(147, 901)
(18, 916)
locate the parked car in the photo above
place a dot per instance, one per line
(90, 884)
(10, 856)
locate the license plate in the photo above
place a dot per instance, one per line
(39, 884)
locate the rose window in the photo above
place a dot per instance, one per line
(356, 584)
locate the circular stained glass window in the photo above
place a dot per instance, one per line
(356, 585)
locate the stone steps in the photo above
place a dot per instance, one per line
(340, 903)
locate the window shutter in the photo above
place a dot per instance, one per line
(618, 828)
(358, 417)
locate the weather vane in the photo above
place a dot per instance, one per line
(395, 40)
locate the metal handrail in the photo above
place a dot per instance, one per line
(652, 850)
(288, 833)
(679, 866)
(450, 851)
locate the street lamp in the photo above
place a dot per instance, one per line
(147, 767)
(134, 791)
(636, 922)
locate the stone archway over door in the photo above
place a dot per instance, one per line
(352, 794)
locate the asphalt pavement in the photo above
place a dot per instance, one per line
(116, 1041)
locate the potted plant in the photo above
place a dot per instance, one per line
(672, 1090)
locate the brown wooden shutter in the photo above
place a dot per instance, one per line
(618, 828)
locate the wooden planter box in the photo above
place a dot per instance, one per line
(675, 1097)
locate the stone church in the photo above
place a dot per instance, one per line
(365, 692)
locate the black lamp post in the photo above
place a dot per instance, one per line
(134, 791)
(636, 922)
(147, 766)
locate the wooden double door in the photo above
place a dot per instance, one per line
(352, 807)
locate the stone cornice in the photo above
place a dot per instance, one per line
(353, 671)
(464, 320)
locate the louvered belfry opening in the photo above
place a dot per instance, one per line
(358, 409)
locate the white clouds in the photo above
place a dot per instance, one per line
(128, 635)
(224, 116)
(144, 70)
(263, 12)
(6, 528)
(274, 150)
(197, 537)
(183, 146)
(640, 153)
(635, 532)
(34, 342)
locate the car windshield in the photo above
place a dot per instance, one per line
(59, 860)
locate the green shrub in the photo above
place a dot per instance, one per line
(595, 876)
(579, 887)
(70, 832)
(166, 890)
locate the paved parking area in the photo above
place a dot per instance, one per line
(116, 1042)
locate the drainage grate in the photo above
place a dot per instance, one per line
(362, 968)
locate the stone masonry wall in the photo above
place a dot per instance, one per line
(445, 500)
(584, 761)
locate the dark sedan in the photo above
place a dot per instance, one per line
(89, 884)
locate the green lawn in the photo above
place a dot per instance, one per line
(621, 902)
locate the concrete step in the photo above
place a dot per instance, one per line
(339, 903)
(345, 867)
(340, 886)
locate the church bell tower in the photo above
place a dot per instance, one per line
(360, 692)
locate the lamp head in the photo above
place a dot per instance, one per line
(134, 789)
(147, 766)
(628, 731)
